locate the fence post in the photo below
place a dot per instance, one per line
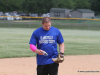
(88, 24)
(69, 23)
(9, 23)
(29, 23)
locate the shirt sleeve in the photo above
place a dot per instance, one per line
(33, 39)
(60, 38)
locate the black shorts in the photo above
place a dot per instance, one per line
(51, 69)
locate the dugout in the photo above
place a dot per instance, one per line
(59, 12)
(82, 13)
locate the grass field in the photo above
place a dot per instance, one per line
(14, 42)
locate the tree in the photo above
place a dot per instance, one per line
(95, 4)
(3, 5)
(66, 4)
(10, 5)
(38, 6)
(44, 6)
(82, 4)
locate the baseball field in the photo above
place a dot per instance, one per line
(82, 52)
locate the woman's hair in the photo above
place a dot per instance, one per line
(46, 20)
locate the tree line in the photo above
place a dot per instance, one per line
(44, 6)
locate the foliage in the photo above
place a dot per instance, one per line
(81, 4)
(67, 4)
(44, 6)
(10, 5)
(95, 4)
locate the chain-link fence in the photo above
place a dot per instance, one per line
(61, 23)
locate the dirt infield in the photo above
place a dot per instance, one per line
(73, 65)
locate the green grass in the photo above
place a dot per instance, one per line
(14, 42)
(82, 42)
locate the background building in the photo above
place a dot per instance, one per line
(82, 13)
(59, 12)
